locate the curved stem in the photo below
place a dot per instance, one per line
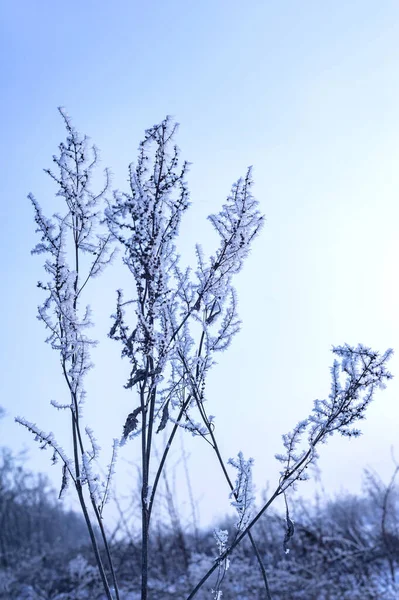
(253, 543)
(164, 456)
(223, 467)
(238, 539)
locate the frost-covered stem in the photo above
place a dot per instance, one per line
(194, 514)
(165, 455)
(144, 492)
(144, 543)
(176, 523)
(107, 548)
(144, 555)
(94, 542)
(238, 539)
(151, 417)
(146, 440)
(85, 512)
(170, 440)
(78, 444)
(230, 483)
(76, 433)
(215, 447)
(77, 436)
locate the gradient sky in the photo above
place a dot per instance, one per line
(306, 92)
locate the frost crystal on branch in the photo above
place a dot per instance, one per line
(145, 222)
(221, 537)
(355, 377)
(243, 494)
(47, 439)
(170, 304)
(73, 239)
(69, 238)
(90, 478)
(105, 493)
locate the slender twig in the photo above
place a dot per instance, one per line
(223, 467)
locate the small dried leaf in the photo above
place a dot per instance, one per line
(131, 422)
(165, 417)
(64, 482)
(289, 532)
(138, 376)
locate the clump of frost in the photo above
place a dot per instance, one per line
(243, 493)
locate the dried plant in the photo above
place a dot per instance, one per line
(170, 331)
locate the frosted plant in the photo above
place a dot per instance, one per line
(355, 378)
(170, 329)
(177, 321)
(77, 250)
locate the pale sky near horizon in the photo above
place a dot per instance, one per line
(306, 92)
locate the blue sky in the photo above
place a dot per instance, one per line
(306, 92)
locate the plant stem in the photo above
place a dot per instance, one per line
(238, 539)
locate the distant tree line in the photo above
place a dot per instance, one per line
(346, 548)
